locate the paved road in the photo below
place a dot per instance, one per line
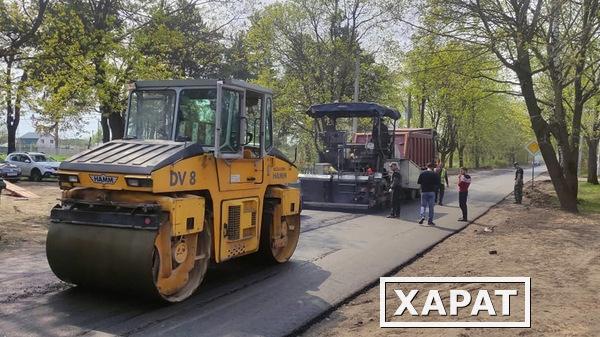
(339, 254)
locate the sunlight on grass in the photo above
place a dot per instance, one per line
(589, 198)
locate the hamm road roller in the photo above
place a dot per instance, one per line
(195, 180)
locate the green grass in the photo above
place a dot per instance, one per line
(59, 157)
(589, 198)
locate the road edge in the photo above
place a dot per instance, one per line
(305, 326)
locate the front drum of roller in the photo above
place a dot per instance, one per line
(129, 260)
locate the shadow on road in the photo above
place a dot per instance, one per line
(77, 310)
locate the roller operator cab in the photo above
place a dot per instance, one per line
(195, 179)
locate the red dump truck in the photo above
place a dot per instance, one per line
(415, 145)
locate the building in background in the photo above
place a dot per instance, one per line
(32, 141)
(45, 143)
(27, 142)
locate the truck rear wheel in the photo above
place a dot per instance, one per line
(279, 236)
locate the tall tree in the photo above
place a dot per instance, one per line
(103, 24)
(462, 105)
(177, 36)
(61, 74)
(19, 24)
(591, 133)
(129, 39)
(538, 41)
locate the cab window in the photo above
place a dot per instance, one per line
(151, 114)
(196, 117)
(254, 105)
(269, 124)
(230, 122)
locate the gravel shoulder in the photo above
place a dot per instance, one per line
(558, 250)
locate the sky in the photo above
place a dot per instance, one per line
(90, 126)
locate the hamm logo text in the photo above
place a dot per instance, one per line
(103, 179)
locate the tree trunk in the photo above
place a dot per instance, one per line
(11, 120)
(105, 129)
(56, 139)
(54, 132)
(461, 157)
(451, 160)
(12, 130)
(592, 160)
(13, 111)
(443, 157)
(562, 177)
(422, 112)
(115, 121)
(409, 111)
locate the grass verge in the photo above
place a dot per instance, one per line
(589, 198)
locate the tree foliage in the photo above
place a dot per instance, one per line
(308, 52)
(486, 75)
(456, 97)
(19, 24)
(549, 48)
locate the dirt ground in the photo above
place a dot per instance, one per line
(558, 250)
(25, 221)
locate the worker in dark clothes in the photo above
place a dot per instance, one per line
(464, 181)
(396, 190)
(518, 183)
(429, 182)
(443, 173)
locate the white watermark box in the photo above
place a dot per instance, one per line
(455, 302)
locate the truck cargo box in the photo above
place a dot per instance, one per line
(412, 144)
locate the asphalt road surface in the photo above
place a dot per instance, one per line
(339, 254)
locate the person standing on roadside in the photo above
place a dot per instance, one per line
(464, 181)
(396, 189)
(429, 182)
(443, 173)
(518, 183)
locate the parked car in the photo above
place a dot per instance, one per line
(34, 165)
(9, 171)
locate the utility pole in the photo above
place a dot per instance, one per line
(409, 111)
(356, 88)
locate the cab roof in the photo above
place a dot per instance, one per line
(201, 83)
(349, 110)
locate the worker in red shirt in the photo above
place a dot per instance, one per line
(464, 181)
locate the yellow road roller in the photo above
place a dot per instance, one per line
(195, 180)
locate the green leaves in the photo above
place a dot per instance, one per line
(306, 51)
(462, 85)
